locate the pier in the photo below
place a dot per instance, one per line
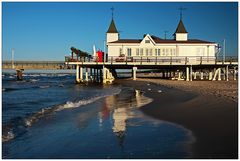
(175, 68)
(35, 65)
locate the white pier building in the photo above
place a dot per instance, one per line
(179, 58)
(153, 47)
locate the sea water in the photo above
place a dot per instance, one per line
(47, 115)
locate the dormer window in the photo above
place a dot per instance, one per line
(147, 41)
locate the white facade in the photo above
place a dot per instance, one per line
(181, 36)
(152, 46)
(147, 49)
(112, 37)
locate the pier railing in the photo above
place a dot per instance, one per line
(170, 60)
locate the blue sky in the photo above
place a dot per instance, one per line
(46, 31)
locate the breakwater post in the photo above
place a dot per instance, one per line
(19, 74)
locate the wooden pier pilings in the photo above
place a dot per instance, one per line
(106, 73)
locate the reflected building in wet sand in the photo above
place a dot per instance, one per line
(121, 107)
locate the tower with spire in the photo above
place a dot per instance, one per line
(181, 33)
(112, 33)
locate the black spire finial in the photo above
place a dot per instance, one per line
(112, 11)
(181, 10)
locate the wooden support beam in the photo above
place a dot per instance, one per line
(234, 74)
(191, 73)
(227, 73)
(134, 70)
(201, 75)
(77, 74)
(86, 75)
(210, 75)
(187, 73)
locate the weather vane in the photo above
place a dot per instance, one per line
(181, 10)
(112, 11)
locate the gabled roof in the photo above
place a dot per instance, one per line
(155, 38)
(180, 28)
(158, 40)
(127, 41)
(189, 41)
(163, 41)
(147, 37)
(112, 28)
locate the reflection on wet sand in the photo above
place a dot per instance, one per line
(122, 108)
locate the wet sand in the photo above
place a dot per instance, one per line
(212, 118)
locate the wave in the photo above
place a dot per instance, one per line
(44, 86)
(8, 136)
(10, 89)
(12, 130)
(33, 80)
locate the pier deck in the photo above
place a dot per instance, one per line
(186, 68)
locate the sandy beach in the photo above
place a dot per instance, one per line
(208, 109)
(223, 89)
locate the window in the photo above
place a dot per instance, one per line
(150, 52)
(147, 41)
(120, 51)
(163, 52)
(159, 52)
(146, 52)
(173, 52)
(200, 52)
(156, 52)
(141, 52)
(167, 52)
(137, 52)
(129, 52)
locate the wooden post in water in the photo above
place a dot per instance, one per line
(81, 74)
(86, 75)
(227, 73)
(191, 73)
(77, 73)
(19, 74)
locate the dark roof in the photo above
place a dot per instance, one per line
(127, 41)
(112, 28)
(180, 28)
(163, 41)
(189, 41)
(155, 38)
